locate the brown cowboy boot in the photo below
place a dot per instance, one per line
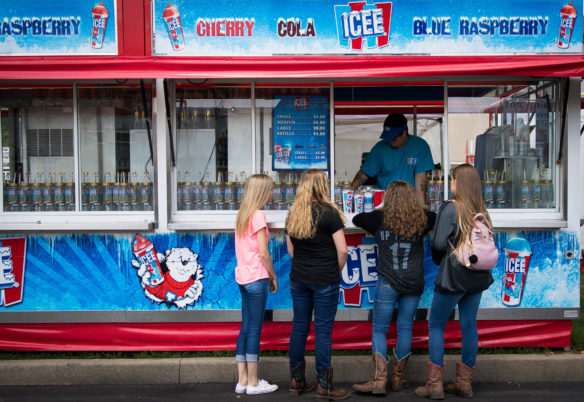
(377, 383)
(434, 388)
(298, 383)
(462, 386)
(325, 389)
(398, 381)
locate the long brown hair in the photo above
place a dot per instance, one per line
(256, 193)
(402, 214)
(312, 189)
(468, 194)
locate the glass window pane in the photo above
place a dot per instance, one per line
(116, 164)
(37, 149)
(508, 132)
(292, 135)
(213, 145)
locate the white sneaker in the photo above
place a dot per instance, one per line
(263, 388)
(240, 389)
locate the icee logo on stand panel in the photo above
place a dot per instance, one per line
(12, 256)
(358, 20)
(359, 274)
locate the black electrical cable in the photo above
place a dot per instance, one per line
(145, 106)
(564, 113)
(170, 137)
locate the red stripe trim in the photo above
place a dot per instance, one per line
(19, 67)
(275, 335)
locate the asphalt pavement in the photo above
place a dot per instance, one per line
(500, 392)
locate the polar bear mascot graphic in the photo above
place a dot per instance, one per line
(182, 275)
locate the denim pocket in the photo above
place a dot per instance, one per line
(326, 289)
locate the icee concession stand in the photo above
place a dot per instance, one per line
(128, 127)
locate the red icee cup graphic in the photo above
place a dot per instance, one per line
(171, 18)
(517, 257)
(145, 252)
(567, 20)
(99, 16)
(278, 151)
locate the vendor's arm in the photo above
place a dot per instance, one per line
(370, 168)
(360, 178)
(421, 182)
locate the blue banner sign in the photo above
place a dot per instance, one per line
(195, 271)
(64, 27)
(301, 132)
(316, 27)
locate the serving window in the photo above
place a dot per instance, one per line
(71, 151)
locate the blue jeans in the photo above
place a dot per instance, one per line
(253, 307)
(442, 306)
(323, 300)
(385, 299)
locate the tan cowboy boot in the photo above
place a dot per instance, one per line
(462, 386)
(434, 388)
(398, 381)
(377, 383)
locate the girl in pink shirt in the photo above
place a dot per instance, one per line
(254, 273)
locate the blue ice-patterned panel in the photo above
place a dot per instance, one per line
(552, 280)
(101, 272)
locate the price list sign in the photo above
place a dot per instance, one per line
(301, 132)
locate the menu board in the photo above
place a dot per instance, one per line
(301, 132)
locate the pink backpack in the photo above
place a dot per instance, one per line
(481, 254)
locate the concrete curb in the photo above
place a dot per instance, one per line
(566, 367)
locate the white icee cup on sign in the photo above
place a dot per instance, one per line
(517, 257)
(358, 203)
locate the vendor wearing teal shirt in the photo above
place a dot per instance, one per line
(398, 156)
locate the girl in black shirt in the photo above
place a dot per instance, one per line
(316, 243)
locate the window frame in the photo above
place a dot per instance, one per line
(509, 217)
(165, 217)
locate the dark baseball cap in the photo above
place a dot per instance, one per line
(394, 124)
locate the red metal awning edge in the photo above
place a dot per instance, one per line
(288, 67)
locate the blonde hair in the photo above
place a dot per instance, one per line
(312, 190)
(468, 194)
(402, 214)
(256, 193)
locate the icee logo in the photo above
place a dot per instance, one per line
(12, 261)
(360, 20)
(359, 274)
